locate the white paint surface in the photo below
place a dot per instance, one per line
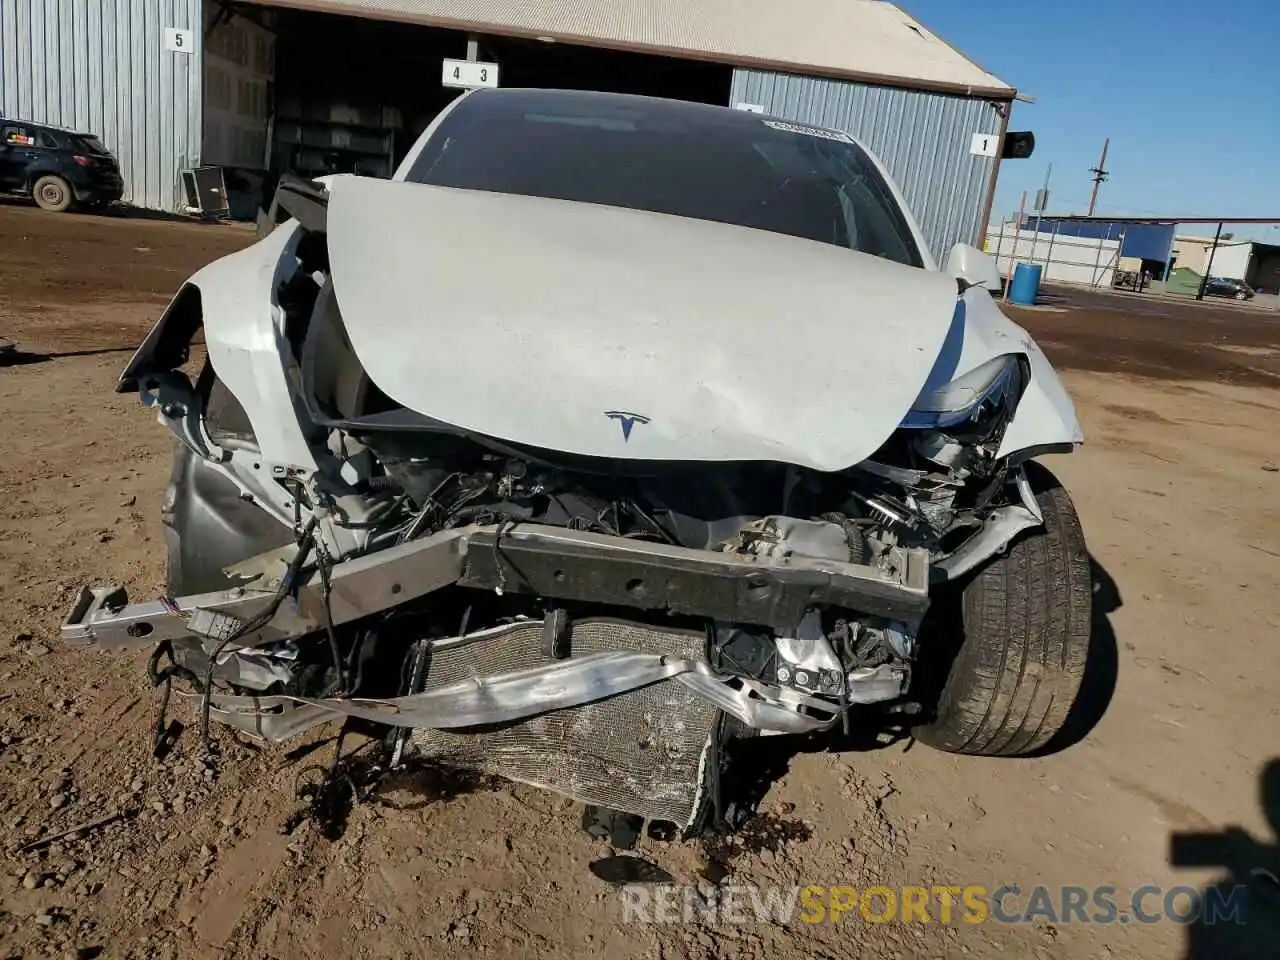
(1231, 261)
(179, 41)
(984, 144)
(530, 319)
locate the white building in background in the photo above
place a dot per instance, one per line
(1063, 259)
(1230, 260)
(1257, 264)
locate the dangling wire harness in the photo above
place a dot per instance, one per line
(306, 540)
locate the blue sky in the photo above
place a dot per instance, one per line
(1187, 90)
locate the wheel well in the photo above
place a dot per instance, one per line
(34, 177)
(168, 345)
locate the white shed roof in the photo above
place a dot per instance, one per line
(865, 40)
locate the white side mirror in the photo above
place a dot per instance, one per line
(974, 267)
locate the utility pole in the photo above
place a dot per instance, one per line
(1099, 175)
(1042, 201)
(1013, 255)
(1208, 269)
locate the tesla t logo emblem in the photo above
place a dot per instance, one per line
(626, 421)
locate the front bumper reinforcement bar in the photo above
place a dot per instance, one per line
(530, 558)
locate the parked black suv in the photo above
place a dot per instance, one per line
(56, 167)
(1223, 287)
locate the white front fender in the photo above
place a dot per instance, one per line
(1045, 417)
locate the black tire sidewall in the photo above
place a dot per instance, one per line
(989, 664)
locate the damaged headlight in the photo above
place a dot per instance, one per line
(969, 398)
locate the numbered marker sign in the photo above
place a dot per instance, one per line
(469, 73)
(985, 144)
(179, 41)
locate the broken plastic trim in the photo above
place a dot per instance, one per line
(305, 200)
(1000, 528)
(179, 405)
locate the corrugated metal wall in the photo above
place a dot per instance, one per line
(923, 138)
(101, 66)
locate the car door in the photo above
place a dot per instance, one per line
(50, 146)
(17, 150)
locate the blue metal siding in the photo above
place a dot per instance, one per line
(100, 66)
(923, 139)
(1149, 241)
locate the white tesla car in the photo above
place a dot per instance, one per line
(610, 433)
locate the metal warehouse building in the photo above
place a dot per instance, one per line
(316, 86)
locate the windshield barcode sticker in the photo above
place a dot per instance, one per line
(808, 131)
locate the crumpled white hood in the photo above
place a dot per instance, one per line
(617, 333)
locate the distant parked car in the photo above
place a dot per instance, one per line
(1222, 287)
(56, 167)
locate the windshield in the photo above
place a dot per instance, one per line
(684, 159)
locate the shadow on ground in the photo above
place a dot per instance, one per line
(1239, 915)
(126, 212)
(21, 358)
(117, 211)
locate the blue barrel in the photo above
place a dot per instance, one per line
(1025, 284)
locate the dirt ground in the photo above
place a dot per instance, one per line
(1178, 491)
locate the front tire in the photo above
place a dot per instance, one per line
(1026, 624)
(52, 193)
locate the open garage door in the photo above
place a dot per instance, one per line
(239, 78)
(1264, 271)
(352, 94)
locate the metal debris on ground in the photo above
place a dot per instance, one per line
(42, 842)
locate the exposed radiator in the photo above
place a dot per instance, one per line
(643, 752)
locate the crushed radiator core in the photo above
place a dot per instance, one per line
(642, 752)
